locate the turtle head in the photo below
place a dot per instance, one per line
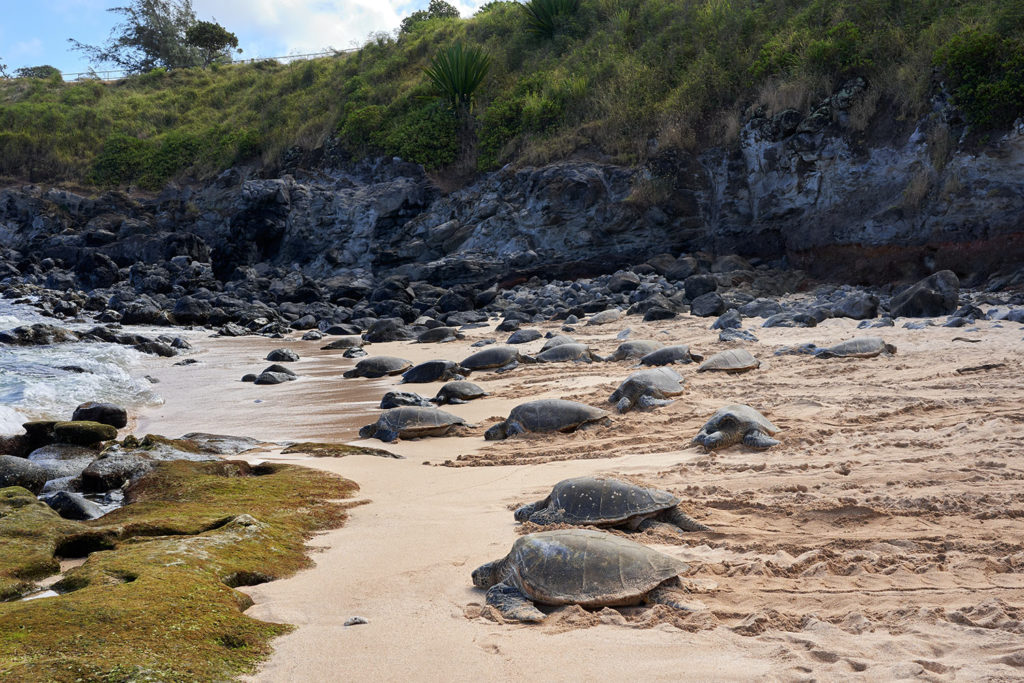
(890, 348)
(485, 575)
(497, 432)
(523, 514)
(710, 441)
(368, 431)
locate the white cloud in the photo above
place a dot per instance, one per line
(301, 26)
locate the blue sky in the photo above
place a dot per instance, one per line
(35, 32)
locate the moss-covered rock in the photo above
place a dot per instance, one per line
(29, 534)
(83, 432)
(160, 603)
(334, 450)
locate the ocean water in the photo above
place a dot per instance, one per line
(49, 382)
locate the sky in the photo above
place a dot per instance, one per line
(36, 32)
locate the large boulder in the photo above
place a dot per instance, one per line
(699, 285)
(858, 306)
(707, 305)
(16, 471)
(83, 432)
(104, 413)
(112, 471)
(933, 296)
(73, 506)
(39, 334)
(282, 356)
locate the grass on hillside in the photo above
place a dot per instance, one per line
(616, 77)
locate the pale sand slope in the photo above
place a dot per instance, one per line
(882, 540)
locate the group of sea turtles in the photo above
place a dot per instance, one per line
(587, 567)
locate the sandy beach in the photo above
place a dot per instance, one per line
(881, 540)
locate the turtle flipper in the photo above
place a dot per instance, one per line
(456, 401)
(650, 403)
(511, 366)
(755, 438)
(623, 405)
(671, 596)
(680, 519)
(512, 603)
(386, 435)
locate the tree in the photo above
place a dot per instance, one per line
(44, 71)
(438, 9)
(212, 40)
(151, 35)
(3, 71)
(456, 73)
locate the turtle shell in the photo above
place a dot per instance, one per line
(595, 500)
(438, 334)
(679, 353)
(589, 568)
(738, 418)
(665, 381)
(858, 347)
(733, 360)
(431, 371)
(462, 389)
(378, 366)
(564, 353)
(412, 422)
(637, 348)
(554, 415)
(491, 357)
(557, 340)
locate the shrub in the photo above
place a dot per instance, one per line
(456, 73)
(985, 73)
(45, 71)
(547, 17)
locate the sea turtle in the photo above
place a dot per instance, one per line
(733, 424)
(635, 349)
(564, 353)
(858, 347)
(349, 342)
(731, 361)
(397, 399)
(600, 501)
(439, 335)
(557, 340)
(410, 422)
(378, 366)
(458, 392)
(605, 317)
(582, 567)
(679, 353)
(432, 371)
(498, 356)
(547, 415)
(646, 389)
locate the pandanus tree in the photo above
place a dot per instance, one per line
(456, 72)
(545, 17)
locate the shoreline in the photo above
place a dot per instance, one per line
(825, 561)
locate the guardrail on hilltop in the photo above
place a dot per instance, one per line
(112, 74)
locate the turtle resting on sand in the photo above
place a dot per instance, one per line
(646, 389)
(858, 347)
(432, 371)
(410, 423)
(680, 353)
(598, 501)
(731, 361)
(501, 357)
(458, 392)
(439, 335)
(557, 340)
(564, 353)
(733, 424)
(378, 366)
(635, 349)
(547, 415)
(582, 567)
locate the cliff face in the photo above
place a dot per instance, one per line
(876, 206)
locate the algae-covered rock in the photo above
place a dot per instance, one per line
(104, 413)
(113, 470)
(83, 432)
(16, 471)
(29, 534)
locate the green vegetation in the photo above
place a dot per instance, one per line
(334, 450)
(615, 76)
(159, 603)
(456, 73)
(548, 17)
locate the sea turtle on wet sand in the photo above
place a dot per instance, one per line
(410, 422)
(563, 353)
(731, 361)
(547, 415)
(439, 335)
(557, 340)
(499, 357)
(647, 389)
(458, 392)
(349, 342)
(858, 347)
(599, 501)
(378, 366)
(679, 353)
(734, 424)
(635, 349)
(432, 371)
(579, 566)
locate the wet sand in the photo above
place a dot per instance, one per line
(882, 539)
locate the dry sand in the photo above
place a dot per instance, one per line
(882, 540)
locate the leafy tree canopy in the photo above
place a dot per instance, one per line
(438, 9)
(212, 40)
